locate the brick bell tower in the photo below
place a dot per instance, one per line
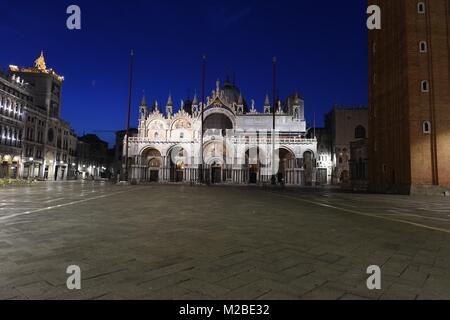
(409, 97)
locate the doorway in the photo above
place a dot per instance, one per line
(216, 174)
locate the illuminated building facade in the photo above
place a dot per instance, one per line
(35, 142)
(236, 146)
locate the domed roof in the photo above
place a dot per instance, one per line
(234, 95)
(232, 92)
(291, 101)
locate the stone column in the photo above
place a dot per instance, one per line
(20, 169)
(31, 175)
(66, 172)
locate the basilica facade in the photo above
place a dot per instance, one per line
(230, 143)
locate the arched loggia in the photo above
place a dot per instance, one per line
(177, 164)
(286, 164)
(254, 160)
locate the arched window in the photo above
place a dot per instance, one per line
(421, 7)
(423, 47)
(360, 132)
(425, 86)
(426, 127)
(156, 136)
(182, 135)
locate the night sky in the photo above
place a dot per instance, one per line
(321, 48)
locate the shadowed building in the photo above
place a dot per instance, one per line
(359, 175)
(119, 162)
(409, 97)
(345, 124)
(93, 157)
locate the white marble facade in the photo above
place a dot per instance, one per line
(237, 142)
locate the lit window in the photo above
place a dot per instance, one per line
(423, 46)
(421, 7)
(425, 86)
(426, 127)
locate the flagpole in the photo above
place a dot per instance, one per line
(202, 116)
(314, 124)
(274, 61)
(129, 114)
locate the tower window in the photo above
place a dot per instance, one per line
(421, 7)
(423, 46)
(425, 86)
(426, 127)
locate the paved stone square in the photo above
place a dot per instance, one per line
(183, 242)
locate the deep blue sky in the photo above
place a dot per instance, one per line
(321, 48)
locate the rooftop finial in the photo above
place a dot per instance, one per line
(267, 102)
(169, 100)
(40, 62)
(240, 100)
(296, 99)
(195, 102)
(218, 85)
(143, 102)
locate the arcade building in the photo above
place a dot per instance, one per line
(236, 147)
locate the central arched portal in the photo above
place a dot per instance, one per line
(253, 163)
(177, 163)
(153, 160)
(215, 155)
